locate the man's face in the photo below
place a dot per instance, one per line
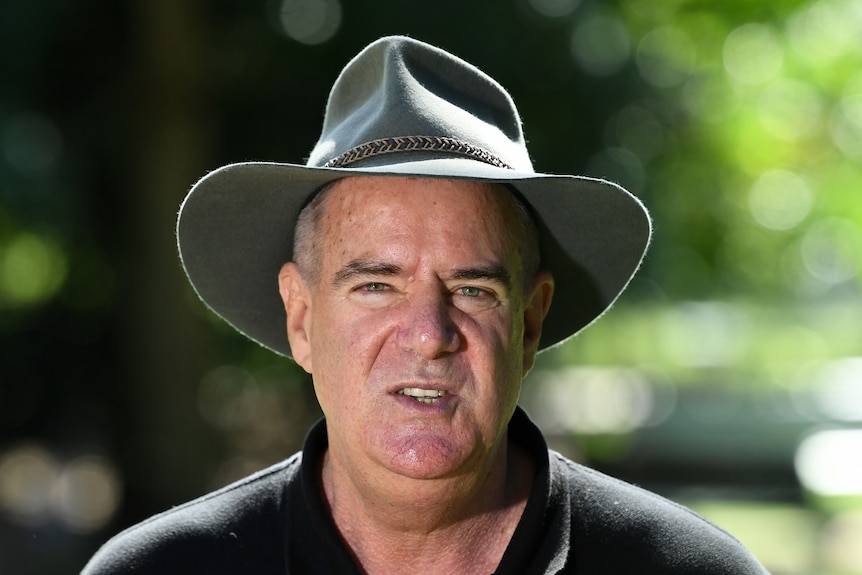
(419, 330)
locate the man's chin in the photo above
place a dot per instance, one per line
(428, 456)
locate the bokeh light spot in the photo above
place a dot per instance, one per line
(87, 494)
(824, 31)
(752, 54)
(32, 143)
(600, 44)
(229, 397)
(779, 200)
(828, 462)
(554, 8)
(32, 269)
(665, 57)
(637, 130)
(790, 110)
(709, 98)
(720, 327)
(837, 391)
(593, 400)
(37, 489)
(845, 125)
(310, 21)
(28, 474)
(831, 250)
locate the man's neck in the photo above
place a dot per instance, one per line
(459, 525)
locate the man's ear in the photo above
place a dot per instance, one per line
(536, 308)
(297, 305)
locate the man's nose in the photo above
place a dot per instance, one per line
(429, 328)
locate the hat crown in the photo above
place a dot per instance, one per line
(400, 88)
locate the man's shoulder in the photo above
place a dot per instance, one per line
(216, 533)
(615, 523)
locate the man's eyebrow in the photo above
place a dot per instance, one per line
(493, 272)
(360, 267)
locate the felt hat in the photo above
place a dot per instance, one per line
(403, 107)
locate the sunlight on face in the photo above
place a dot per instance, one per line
(416, 327)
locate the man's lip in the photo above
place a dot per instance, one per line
(419, 392)
(444, 388)
(426, 405)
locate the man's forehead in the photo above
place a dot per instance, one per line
(369, 211)
(402, 190)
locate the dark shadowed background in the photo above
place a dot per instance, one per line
(729, 376)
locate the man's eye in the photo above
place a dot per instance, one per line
(374, 295)
(472, 299)
(470, 291)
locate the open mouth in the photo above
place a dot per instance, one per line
(426, 396)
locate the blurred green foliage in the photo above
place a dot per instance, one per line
(738, 123)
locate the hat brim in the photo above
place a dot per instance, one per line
(235, 231)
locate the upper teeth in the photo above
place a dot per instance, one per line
(423, 395)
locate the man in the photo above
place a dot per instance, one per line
(409, 266)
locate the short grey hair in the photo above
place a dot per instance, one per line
(306, 250)
(306, 254)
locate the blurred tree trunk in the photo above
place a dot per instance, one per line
(162, 336)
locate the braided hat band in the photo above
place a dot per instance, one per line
(414, 144)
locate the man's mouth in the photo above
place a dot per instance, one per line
(427, 396)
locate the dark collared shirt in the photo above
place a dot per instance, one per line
(576, 521)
